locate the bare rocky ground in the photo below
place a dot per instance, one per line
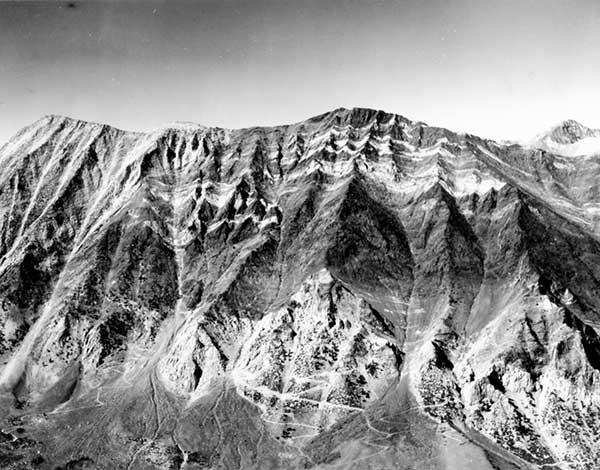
(355, 291)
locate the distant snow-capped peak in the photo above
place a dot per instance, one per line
(569, 138)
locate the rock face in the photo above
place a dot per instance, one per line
(353, 291)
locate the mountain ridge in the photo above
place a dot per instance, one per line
(316, 117)
(580, 129)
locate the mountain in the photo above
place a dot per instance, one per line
(355, 291)
(570, 138)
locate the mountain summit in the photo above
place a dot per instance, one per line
(357, 290)
(570, 131)
(570, 138)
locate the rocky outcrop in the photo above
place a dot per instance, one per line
(357, 290)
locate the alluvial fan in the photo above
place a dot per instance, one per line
(355, 291)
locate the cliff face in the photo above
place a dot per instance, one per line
(353, 291)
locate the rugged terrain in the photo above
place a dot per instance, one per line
(355, 291)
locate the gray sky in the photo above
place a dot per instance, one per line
(500, 69)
